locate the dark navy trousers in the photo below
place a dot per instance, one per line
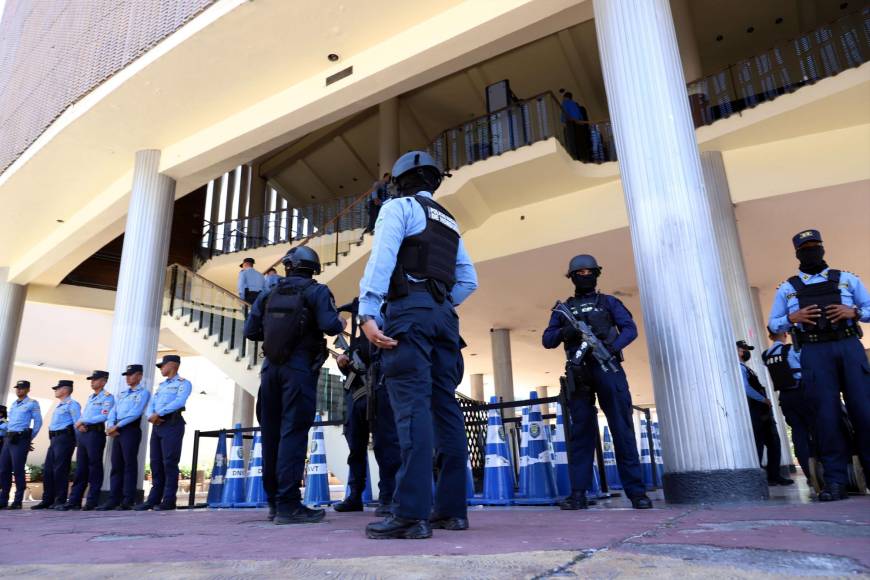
(55, 482)
(611, 388)
(89, 467)
(285, 410)
(828, 369)
(12, 461)
(799, 415)
(766, 435)
(385, 441)
(421, 374)
(125, 464)
(165, 454)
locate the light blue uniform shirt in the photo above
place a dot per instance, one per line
(4, 426)
(21, 413)
(750, 392)
(400, 218)
(271, 281)
(98, 407)
(65, 414)
(250, 279)
(852, 293)
(171, 395)
(793, 359)
(129, 405)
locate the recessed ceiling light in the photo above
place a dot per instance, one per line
(472, 354)
(720, 38)
(750, 30)
(59, 221)
(332, 57)
(844, 5)
(779, 20)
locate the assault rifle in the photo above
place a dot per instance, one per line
(588, 340)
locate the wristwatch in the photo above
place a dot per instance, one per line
(363, 318)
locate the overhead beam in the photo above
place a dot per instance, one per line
(340, 139)
(415, 122)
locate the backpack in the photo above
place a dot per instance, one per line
(285, 321)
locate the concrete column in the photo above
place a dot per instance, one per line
(243, 412)
(12, 297)
(257, 205)
(707, 442)
(477, 387)
(388, 134)
(745, 315)
(139, 299)
(502, 367)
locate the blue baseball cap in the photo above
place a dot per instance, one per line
(805, 236)
(132, 370)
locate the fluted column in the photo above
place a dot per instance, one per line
(388, 134)
(477, 387)
(745, 320)
(502, 365)
(12, 297)
(707, 444)
(138, 301)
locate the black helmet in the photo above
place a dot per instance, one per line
(581, 262)
(302, 257)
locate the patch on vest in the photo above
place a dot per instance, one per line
(439, 216)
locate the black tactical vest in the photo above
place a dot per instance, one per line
(287, 320)
(589, 309)
(780, 371)
(822, 294)
(755, 383)
(431, 254)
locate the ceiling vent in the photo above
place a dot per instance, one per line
(339, 75)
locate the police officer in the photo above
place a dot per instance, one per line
(4, 420)
(291, 320)
(251, 282)
(368, 411)
(783, 365)
(91, 428)
(271, 279)
(62, 444)
(164, 413)
(612, 325)
(763, 423)
(124, 426)
(420, 268)
(23, 413)
(822, 307)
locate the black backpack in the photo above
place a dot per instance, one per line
(285, 320)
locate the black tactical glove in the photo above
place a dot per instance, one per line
(569, 333)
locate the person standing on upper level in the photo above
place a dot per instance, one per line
(271, 279)
(167, 433)
(23, 413)
(420, 269)
(822, 307)
(251, 282)
(124, 426)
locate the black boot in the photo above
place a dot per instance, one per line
(43, 505)
(68, 506)
(300, 515)
(272, 512)
(833, 492)
(448, 523)
(396, 528)
(576, 501)
(641, 502)
(143, 507)
(352, 503)
(384, 510)
(106, 507)
(15, 505)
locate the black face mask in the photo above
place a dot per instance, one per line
(584, 284)
(811, 259)
(746, 356)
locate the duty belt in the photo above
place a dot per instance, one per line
(53, 434)
(805, 336)
(173, 416)
(101, 427)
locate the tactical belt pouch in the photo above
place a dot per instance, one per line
(576, 380)
(59, 432)
(399, 284)
(805, 337)
(99, 427)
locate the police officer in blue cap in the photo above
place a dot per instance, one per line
(822, 307)
(164, 413)
(596, 373)
(420, 269)
(62, 444)
(91, 428)
(124, 426)
(368, 412)
(4, 426)
(784, 367)
(24, 423)
(291, 320)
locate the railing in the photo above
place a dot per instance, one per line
(517, 125)
(282, 226)
(824, 52)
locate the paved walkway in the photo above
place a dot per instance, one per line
(784, 536)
